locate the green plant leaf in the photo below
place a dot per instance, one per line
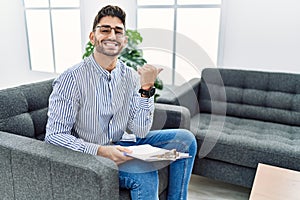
(158, 84)
(89, 49)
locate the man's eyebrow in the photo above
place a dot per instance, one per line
(106, 25)
(118, 27)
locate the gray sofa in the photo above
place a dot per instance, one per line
(241, 118)
(32, 169)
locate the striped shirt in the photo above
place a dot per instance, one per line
(90, 107)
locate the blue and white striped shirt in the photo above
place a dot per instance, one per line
(90, 107)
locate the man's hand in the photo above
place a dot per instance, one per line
(148, 75)
(115, 153)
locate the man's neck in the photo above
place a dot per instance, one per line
(106, 62)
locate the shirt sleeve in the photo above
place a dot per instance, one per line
(63, 107)
(141, 113)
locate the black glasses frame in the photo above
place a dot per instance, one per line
(106, 29)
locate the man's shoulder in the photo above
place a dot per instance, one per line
(78, 68)
(71, 74)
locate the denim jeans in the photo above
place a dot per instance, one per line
(141, 178)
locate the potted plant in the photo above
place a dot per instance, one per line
(131, 55)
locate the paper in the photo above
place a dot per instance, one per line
(128, 137)
(149, 153)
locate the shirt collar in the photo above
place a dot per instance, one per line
(101, 70)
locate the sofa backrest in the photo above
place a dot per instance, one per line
(23, 109)
(267, 96)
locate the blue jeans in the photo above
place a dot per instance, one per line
(141, 178)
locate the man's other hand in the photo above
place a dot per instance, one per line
(148, 75)
(115, 153)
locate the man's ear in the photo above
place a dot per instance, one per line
(126, 40)
(92, 38)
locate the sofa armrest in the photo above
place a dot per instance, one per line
(185, 95)
(170, 116)
(32, 169)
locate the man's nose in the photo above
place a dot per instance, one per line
(112, 34)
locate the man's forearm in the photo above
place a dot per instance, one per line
(141, 123)
(71, 142)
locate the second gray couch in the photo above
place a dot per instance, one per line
(241, 118)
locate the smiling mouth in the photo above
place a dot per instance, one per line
(110, 43)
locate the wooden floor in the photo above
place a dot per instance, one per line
(202, 188)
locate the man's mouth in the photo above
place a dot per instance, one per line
(110, 43)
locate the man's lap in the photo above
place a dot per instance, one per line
(178, 139)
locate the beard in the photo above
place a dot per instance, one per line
(113, 51)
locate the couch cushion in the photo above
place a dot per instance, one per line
(247, 142)
(37, 96)
(14, 116)
(20, 124)
(272, 97)
(23, 109)
(12, 103)
(39, 118)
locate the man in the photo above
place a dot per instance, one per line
(95, 102)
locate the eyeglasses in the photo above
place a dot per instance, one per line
(106, 29)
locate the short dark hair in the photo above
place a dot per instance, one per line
(109, 10)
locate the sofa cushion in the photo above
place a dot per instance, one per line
(14, 116)
(272, 97)
(37, 95)
(23, 109)
(21, 124)
(39, 118)
(247, 142)
(12, 103)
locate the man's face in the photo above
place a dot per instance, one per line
(109, 36)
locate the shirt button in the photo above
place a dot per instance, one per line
(110, 122)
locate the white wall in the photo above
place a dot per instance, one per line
(256, 34)
(261, 34)
(15, 69)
